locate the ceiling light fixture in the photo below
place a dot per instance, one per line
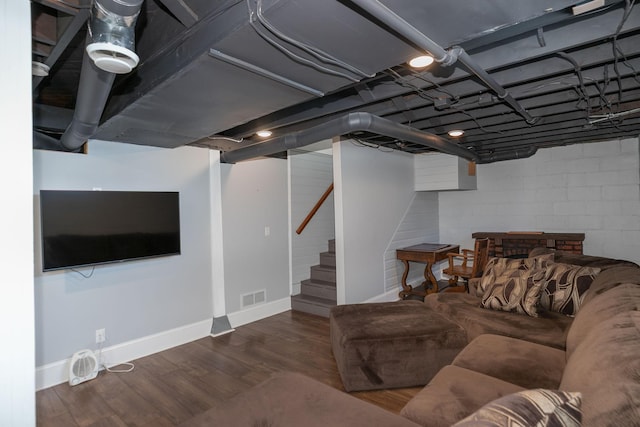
(264, 133)
(421, 61)
(456, 133)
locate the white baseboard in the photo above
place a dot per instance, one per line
(386, 297)
(58, 372)
(258, 312)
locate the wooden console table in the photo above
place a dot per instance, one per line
(428, 253)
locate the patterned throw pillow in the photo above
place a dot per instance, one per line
(497, 266)
(565, 286)
(538, 407)
(516, 290)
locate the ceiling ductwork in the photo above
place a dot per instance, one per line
(112, 35)
(513, 75)
(445, 57)
(352, 122)
(365, 122)
(109, 51)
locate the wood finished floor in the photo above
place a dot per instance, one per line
(172, 386)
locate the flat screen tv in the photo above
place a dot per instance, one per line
(86, 228)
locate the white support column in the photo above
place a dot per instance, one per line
(220, 323)
(17, 324)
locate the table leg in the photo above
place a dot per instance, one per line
(406, 289)
(430, 279)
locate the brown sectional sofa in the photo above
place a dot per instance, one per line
(595, 353)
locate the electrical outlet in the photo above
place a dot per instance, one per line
(101, 336)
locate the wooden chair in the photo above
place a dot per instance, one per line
(467, 265)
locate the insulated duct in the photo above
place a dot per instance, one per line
(508, 155)
(109, 41)
(446, 58)
(348, 123)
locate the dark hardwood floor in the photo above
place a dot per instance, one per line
(170, 387)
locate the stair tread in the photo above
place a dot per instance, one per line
(313, 300)
(324, 267)
(316, 282)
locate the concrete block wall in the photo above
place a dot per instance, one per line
(592, 188)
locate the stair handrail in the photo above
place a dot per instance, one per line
(315, 208)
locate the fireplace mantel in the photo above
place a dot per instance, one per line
(519, 243)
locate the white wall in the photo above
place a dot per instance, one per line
(373, 190)
(134, 299)
(255, 196)
(591, 188)
(419, 225)
(311, 174)
(17, 393)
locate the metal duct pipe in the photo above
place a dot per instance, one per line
(508, 155)
(111, 30)
(446, 58)
(93, 92)
(348, 123)
(110, 54)
(502, 93)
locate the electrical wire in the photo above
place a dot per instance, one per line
(86, 276)
(291, 54)
(361, 143)
(398, 79)
(580, 89)
(482, 128)
(616, 49)
(437, 86)
(226, 138)
(312, 50)
(103, 364)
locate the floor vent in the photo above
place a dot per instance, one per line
(253, 298)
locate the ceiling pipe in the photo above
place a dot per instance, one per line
(110, 34)
(508, 155)
(351, 122)
(440, 55)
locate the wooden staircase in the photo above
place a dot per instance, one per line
(318, 294)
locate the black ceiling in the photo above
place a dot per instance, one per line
(212, 73)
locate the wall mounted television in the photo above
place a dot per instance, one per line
(87, 228)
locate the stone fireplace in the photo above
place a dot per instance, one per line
(517, 244)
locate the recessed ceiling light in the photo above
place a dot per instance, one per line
(264, 133)
(455, 133)
(421, 61)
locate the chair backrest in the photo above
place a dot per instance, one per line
(480, 257)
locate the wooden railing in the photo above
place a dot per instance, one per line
(314, 209)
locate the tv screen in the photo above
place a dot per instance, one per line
(84, 228)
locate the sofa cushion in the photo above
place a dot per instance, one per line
(538, 407)
(625, 297)
(464, 309)
(517, 361)
(497, 266)
(516, 291)
(291, 399)
(605, 368)
(565, 286)
(453, 394)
